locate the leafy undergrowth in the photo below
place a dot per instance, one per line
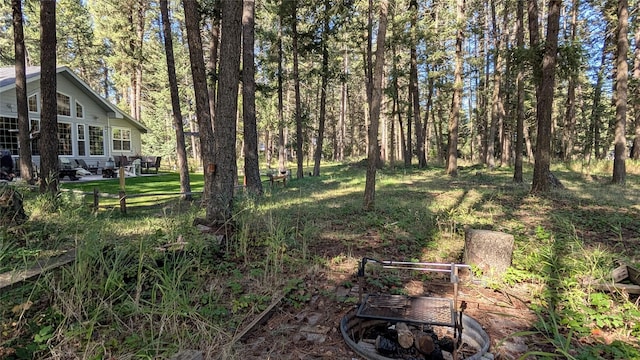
(149, 283)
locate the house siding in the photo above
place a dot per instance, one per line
(94, 113)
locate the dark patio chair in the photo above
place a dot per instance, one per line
(82, 164)
(151, 162)
(121, 161)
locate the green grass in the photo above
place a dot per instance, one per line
(148, 283)
(162, 183)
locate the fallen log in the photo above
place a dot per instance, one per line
(259, 319)
(405, 336)
(16, 276)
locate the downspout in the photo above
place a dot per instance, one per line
(106, 136)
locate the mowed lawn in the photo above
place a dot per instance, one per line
(141, 190)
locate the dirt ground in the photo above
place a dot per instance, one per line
(312, 331)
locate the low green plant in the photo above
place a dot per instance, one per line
(8, 249)
(296, 293)
(276, 243)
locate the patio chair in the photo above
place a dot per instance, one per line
(121, 161)
(82, 164)
(151, 162)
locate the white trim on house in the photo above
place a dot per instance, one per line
(37, 96)
(78, 104)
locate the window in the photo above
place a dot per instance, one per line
(33, 103)
(64, 139)
(9, 134)
(79, 110)
(64, 105)
(121, 139)
(81, 141)
(96, 140)
(35, 131)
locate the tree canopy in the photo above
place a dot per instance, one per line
(312, 102)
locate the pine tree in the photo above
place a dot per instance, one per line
(541, 172)
(25, 164)
(183, 166)
(251, 165)
(48, 142)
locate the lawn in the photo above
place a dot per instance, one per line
(161, 183)
(142, 191)
(149, 283)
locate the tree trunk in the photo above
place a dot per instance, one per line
(505, 125)
(212, 61)
(528, 144)
(296, 89)
(413, 86)
(376, 100)
(635, 154)
(368, 68)
(48, 142)
(545, 102)
(408, 156)
(195, 143)
(517, 173)
(620, 150)
(141, 9)
(183, 166)
(456, 101)
(225, 167)
(427, 113)
(251, 163)
(24, 139)
(344, 102)
(323, 90)
(205, 129)
(438, 132)
(593, 138)
(484, 113)
(282, 156)
(497, 110)
(534, 43)
(396, 108)
(568, 132)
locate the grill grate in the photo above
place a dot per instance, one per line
(422, 310)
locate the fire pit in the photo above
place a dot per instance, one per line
(401, 327)
(361, 335)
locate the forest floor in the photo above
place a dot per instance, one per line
(311, 330)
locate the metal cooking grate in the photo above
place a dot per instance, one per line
(423, 310)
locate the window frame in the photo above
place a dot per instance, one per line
(92, 141)
(61, 138)
(122, 140)
(9, 134)
(81, 139)
(58, 108)
(79, 104)
(37, 103)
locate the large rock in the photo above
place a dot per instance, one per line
(491, 251)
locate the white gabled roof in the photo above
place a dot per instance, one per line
(8, 82)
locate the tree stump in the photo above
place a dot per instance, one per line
(491, 251)
(11, 210)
